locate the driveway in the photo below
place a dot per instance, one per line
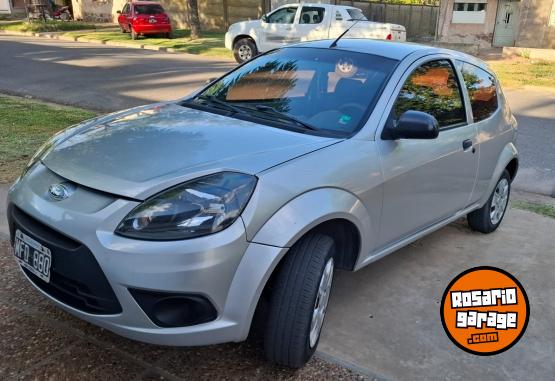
(108, 78)
(386, 317)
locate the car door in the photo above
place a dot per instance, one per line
(122, 18)
(313, 24)
(277, 28)
(426, 181)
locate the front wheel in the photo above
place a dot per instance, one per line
(244, 49)
(489, 217)
(299, 301)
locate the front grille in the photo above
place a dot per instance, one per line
(76, 278)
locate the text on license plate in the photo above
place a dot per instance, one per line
(32, 255)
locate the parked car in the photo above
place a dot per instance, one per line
(174, 223)
(144, 18)
(293, 23)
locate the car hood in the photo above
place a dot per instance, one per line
(244, 26)
(139, 152)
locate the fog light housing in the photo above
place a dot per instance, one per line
(171, 310)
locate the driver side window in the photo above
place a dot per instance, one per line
(283, 16)
(433, 88)
(125, 9)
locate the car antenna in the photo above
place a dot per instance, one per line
(334, 43)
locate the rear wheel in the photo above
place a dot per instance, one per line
(299, 301)
(169, 35)
(489, 217)
(244, 49)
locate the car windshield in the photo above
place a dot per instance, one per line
(356, 14)
(148, 9)
(327, 90)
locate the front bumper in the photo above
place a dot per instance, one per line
(228, 41)
(223, 268)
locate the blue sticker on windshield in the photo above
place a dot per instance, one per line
(345, 119)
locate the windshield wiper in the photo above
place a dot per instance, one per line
(213, 99)
(284, 116)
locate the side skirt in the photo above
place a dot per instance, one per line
(374, 256)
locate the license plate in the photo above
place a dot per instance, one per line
(32, 255)
(152, 21)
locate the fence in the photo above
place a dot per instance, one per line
(419, 20)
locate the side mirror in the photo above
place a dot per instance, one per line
(264, 18)
(412, 125)
(118, 12)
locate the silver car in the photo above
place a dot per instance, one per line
(187, 222)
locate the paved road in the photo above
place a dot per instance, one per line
(110, 78)
(99, 77)
(535, 111)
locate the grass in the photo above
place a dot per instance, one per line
(541, 208)
(211, 43)
(49, 26)
(524, 72)
(24, 125)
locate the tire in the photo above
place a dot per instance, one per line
(488, 218)
(169, 35)
(290, 337)
(134, 35)
(244, 49)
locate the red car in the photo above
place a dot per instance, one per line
(144, 17)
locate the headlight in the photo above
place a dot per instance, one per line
(199, 207)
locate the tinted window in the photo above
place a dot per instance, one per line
(433, 88)
(311, 15)
(148, 9)
(283, 16)
(481, 90)
(356, 14)
(125, 9)
(329, 89)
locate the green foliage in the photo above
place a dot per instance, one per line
(521, 72)
(541, 208)
(210, 44)
(24, 125)
(49, 26)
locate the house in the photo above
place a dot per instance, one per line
(213, 14)
(487, 23)
(12, 7)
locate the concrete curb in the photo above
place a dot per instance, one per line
(119, 44)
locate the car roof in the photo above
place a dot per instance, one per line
(390, 49)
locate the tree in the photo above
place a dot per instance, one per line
(194, 21)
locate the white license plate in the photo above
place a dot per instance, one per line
(32, 255)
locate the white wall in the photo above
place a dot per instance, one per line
(5, 7)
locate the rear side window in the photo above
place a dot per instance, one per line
(482, 91)
(312, 15)
(433, 88)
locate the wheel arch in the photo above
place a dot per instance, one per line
(508, 159)
(241, 36)
(334, 212)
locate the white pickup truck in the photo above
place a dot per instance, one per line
(302, 22)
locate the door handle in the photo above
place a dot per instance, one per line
(467, 144)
